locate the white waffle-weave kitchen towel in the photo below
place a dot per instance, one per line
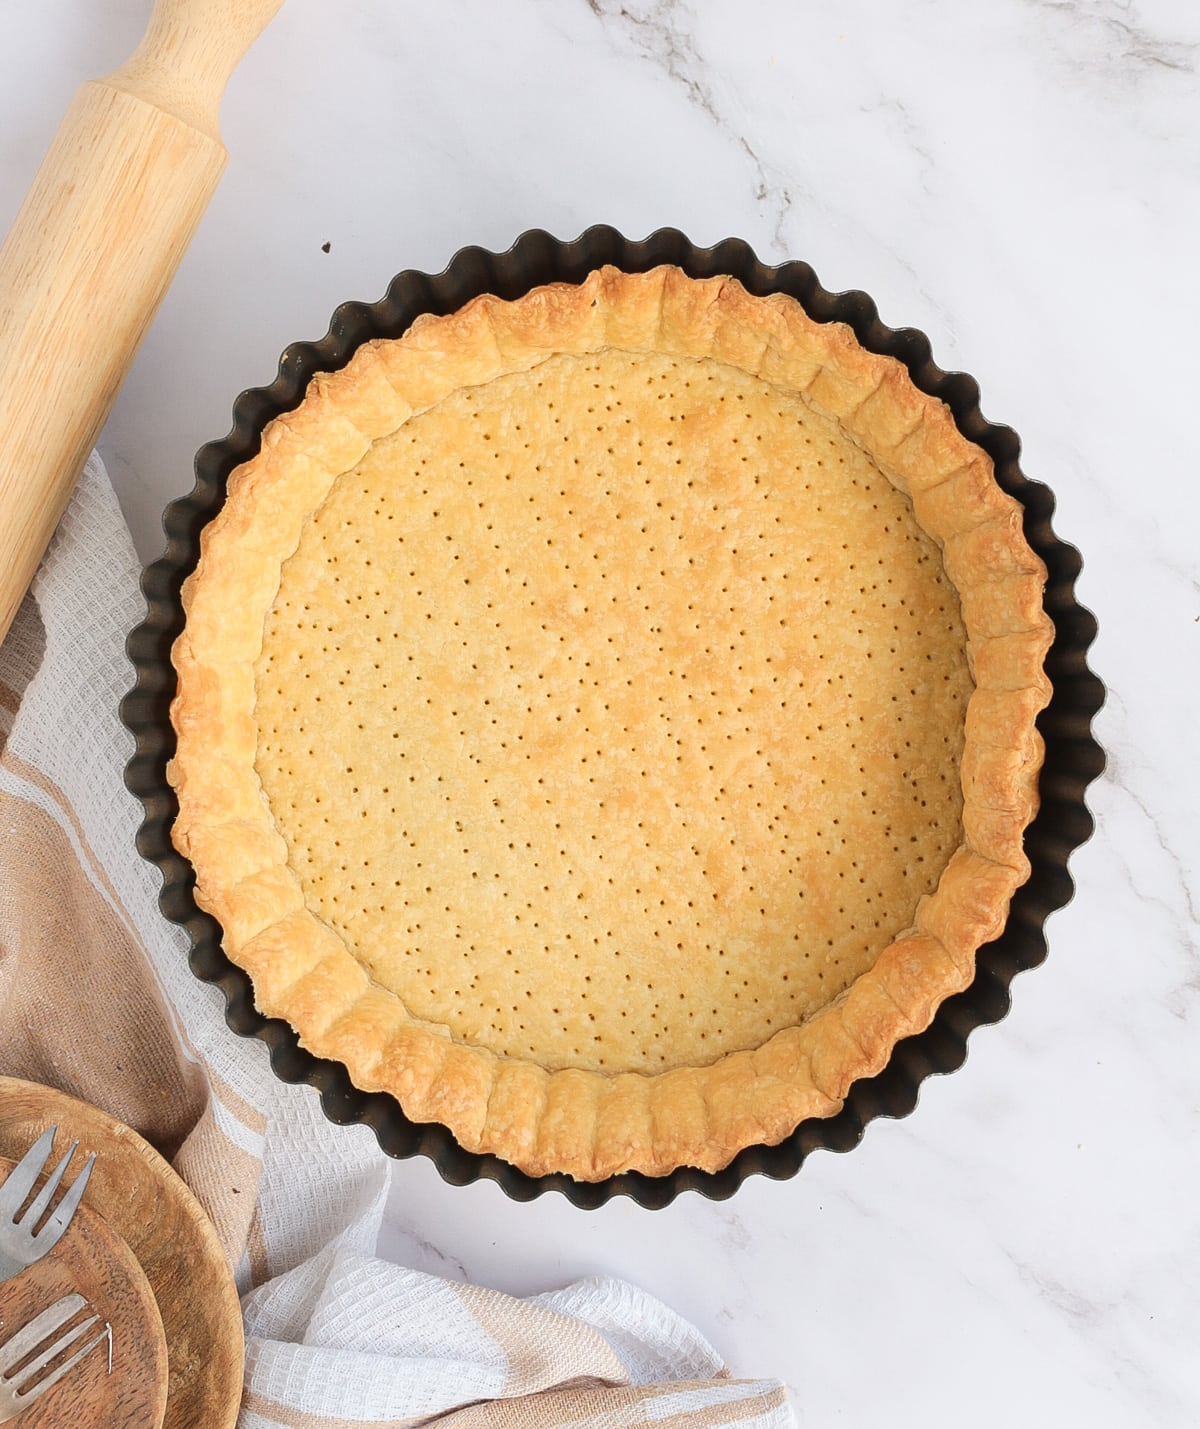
(335, 1336)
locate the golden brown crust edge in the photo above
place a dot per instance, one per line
(586, 1124)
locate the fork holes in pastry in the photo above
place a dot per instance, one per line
(612, 717)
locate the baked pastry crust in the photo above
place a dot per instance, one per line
(583, 1120)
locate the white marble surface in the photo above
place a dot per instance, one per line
(1019, 178)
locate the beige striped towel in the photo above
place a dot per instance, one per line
(335, 1336)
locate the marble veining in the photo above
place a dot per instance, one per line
(1110, 36)
(1020, 179)
(663, 34)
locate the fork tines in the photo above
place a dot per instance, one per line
(21, 1180)
(25, 1355)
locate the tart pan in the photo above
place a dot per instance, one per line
(1073, 758)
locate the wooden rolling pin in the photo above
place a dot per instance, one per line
(93, 250)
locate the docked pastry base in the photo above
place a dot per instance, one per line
(544, 1114)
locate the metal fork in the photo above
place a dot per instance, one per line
(19, 1383)
(21, 1242)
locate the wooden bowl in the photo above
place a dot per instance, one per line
(94, 1261)
(150, 1208)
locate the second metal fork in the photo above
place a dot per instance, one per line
(21, 1240)
(28, 1353)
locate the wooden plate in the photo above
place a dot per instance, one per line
(94, 1261)
(161, 1222)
